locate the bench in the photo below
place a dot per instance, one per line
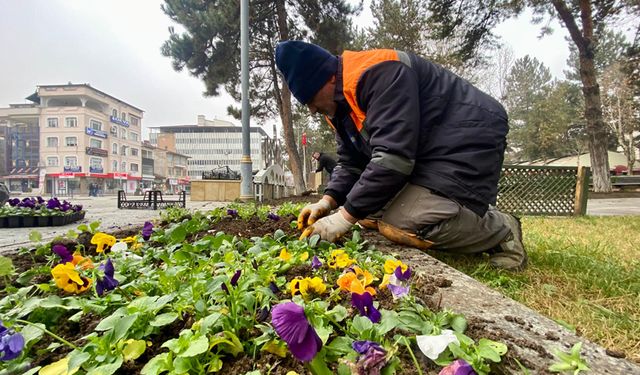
(152, 200)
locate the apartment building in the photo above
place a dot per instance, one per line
(19, 146)
(163, 169)
(85, 137)
(210, 144)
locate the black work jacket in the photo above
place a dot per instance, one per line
(452, 134)
(326, 162)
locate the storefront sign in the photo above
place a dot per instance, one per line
(119, 175)
(76, 169)
(66, 175)
(96, 132)
(97, 152)
(96, 170)
(119, 121)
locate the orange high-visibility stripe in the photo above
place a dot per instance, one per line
(353, 66)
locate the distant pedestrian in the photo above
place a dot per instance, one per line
(325, 162)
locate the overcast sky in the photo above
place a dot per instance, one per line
(115, 46)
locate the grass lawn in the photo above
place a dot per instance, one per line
(583, 272)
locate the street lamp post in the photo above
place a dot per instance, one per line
(246, 186)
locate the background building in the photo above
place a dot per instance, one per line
(19, 146)
(210, 144)
(163, 169)
(84, 136)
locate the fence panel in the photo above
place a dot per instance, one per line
(538, 190)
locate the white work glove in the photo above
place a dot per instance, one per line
(329, 228)
(313, 212)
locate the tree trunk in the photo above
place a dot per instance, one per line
(283, 97)
(596, 128)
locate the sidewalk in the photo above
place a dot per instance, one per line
(103, 209)
(615, 206)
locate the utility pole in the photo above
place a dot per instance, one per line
(246, 186)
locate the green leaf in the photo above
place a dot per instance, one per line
(83, 228)
(276, 347)
(33, 371)
(340, 346)
(182, 365)
(94, 226)
(343, 369)
(109, 322)
(339, 312)
(133, 349)
(6, 266)
(388, 322)
(197, 346)
(361, 324)
(459, 323)
(107, 369)
(215, 364)
(31, 333)
(35, 236)
(178, 234)
(157, 365)
(72, 233)
(164, 319)
(77, 358)
(122, 326)
(318, 366)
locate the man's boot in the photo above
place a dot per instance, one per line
(510, 253)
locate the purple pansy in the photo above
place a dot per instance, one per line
(372, 359)
(107, 282)
(274, 288)
(14, 202)
(272, 216)
(64, 253)
(235, 277)
(225, 288)
(262, 314)
(232, 213)
(316, 263)
(147, 230)
(11, 343)
(53, 203)
(364, 303)
(27, 203)
(77, 207)
(458, 367)
(402, 276)
(398, 291)
(40, 199)
(292, 326)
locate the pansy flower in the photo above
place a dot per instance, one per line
(13, 202)
(397, 282)
(458, 367)
(390, 266)
(232, 213)
(272, 216)
(236, 277)
(64, 253)
(133, 243)
(364, 303)
(11, 343)
(307, 285)
(69, 279)
(292, 326)
(107, 282)
(339, 259)
(356, 280)
(372, 357)
(315, 262)
(103, 241)
(53, 203)
(285, 256)
(147, 230)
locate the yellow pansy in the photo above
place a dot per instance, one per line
(284, 255)
(339, 259)
(101, 240)
(390, 265)
(386, 279)
(317, 285)
(304, 256)
(68, 279)
(307, 285)
(133, 243)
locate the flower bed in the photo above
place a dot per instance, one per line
(185, 298)
(38, 212)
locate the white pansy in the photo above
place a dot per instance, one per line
(433, 346)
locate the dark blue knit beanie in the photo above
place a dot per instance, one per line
(306, 67)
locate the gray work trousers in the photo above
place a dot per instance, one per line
(449, 225)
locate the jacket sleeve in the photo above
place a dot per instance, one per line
(347, 171)
(389, 95)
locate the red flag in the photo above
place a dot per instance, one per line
(304, 139)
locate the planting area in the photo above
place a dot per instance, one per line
(233, 290)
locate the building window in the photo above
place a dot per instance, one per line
(96, 143)
(95, 124)
(95, 163)
(123, 134)
(52, 161)
(123, 166)
(71, 141)
(134, 120)
(123, 116)
(70, 161)
(134, 167)
(123, 150)
(133, 136)
(52, 122)
(71, 122)
(134, 152)
(114, 166)
(114, 113)
(52, 141)
(114, 149)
